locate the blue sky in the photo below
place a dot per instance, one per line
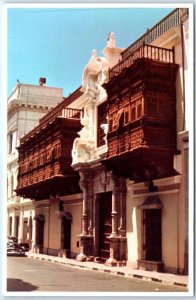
(56, 43)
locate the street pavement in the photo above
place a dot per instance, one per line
(25, 274)
(165, 278)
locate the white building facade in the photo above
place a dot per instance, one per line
(26, 105)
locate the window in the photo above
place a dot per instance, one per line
(10, 141)
(139, 108)
(126, 115)
(10, 226)
(133, 111)
(12, 184)
(25, 229)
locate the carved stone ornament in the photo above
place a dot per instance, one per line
(111, 40)
(83, 145)
(105, 130)
(95, 73)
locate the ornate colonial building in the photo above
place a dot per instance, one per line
(107, 169)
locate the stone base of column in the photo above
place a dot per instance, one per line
(86, 249)
(81, 257)
(123, 249)
(112, 262)
(118, 251)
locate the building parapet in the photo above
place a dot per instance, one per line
(171, 20)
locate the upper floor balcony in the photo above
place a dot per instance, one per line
(141, 103)
(45, 158)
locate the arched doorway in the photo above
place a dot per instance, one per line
(66, 219)
(39, 233)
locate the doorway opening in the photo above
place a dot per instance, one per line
(105, 225)
(66, 232)
(39, 230)
(152, 240)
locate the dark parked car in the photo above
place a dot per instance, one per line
(13, 247)
(25, 246)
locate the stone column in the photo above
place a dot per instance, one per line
(86, 237)
(14, 223)
(30, 230)
(90, 197)
(122, 207)
(114, 213)
(84, 185)
(21, 224)
(122, 222)
(33, 235)
(118, 240)
(114, 242)
(33, 226)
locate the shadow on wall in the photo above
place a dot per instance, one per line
(18, 285)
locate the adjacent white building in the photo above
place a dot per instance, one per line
(26, 105)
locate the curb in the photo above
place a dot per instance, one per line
(112, 272)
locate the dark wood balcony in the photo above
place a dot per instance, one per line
(142, 114)
(45, 158)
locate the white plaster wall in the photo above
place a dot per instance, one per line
(76, 226)
(173, 223)
(133, 227)
(188, 66)
(36, 95)
(182, 225)
(169, 231)
(53, 227)
(27, 213)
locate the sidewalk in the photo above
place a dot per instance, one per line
(172, 279)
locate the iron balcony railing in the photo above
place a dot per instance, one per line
(144, 51)
(171, 20)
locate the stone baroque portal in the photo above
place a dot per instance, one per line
(103, 235)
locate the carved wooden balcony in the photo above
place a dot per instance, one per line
(142, 114)
(45, 158)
